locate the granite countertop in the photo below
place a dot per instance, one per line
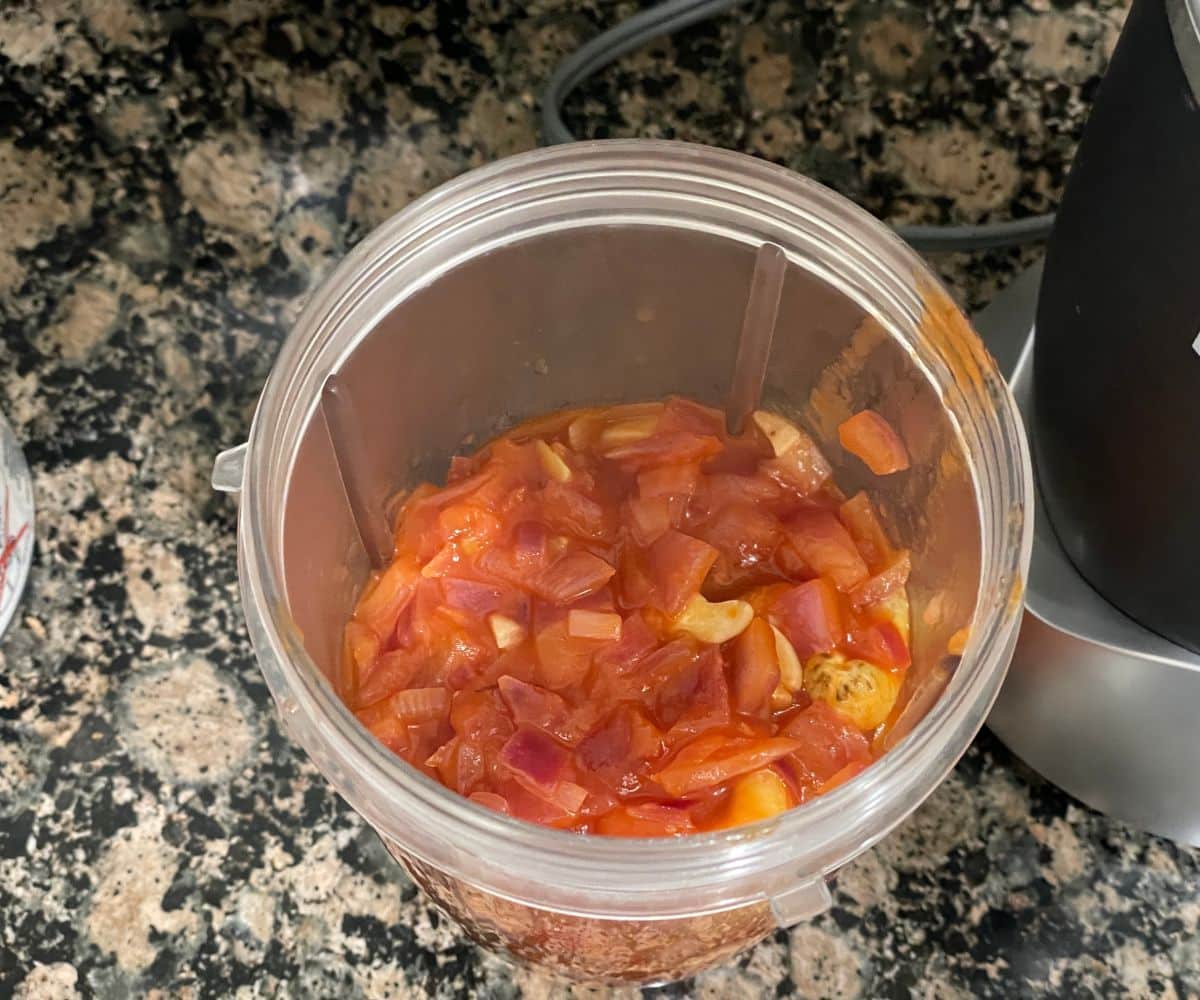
(172, 184)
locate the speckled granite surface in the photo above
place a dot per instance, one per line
(173, 180)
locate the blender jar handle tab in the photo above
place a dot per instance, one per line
(228, 469)
(801, 902)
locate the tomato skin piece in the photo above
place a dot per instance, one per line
(388, 674)
(384, 600)
(880, 643)
(755, 669)
(648, 819)
(562, 659)
(490, 800)
(735, 757)
(827, 743)
(667, 448)
(803, 468)
(669, 678)
(678, 564)
(746, 538)
(720, 490)
(567, 511)
(680, 414)
(851, 770)
(819, 539)
(360, 650)
(620, 749)
(649, 518)
(809, 615)
(385, 726)
(861, 520)
(890, 578)
(471, 527)
(869, 437)
(708, 705)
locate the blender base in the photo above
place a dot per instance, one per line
(1094, 702)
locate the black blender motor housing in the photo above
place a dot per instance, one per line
(1116, 415)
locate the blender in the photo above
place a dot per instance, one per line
(1102, 691)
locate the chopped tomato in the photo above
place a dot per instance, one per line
(669, 480)
(381, 605)
(880, 643)
(819, 539)
(677, 564)
(681, 414)
(727, 759)
(745, 536)
(755, 669)
(629, 621)
(759, 795)
(708, 703)
(360, 649)
(871, 438)
(570, 512)
(649, 518)
(388, 674)
(725, 489)
(890, 578)
(647, 819)
(669, 677)
(809, 614)
(826, 743)
(666, 448)
(563, 659)
(386, 726)
(859, 516)
(803, 468)
(620, 748)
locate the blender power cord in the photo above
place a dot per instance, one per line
(675, 15)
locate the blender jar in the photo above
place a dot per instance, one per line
(600, 273)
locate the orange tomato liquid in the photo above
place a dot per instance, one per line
(627, 621)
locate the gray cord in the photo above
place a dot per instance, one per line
(675, 15)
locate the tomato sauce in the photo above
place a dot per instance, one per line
(627, 621)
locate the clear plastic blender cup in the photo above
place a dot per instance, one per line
(608, 272)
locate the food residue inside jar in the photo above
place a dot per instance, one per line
(628, 621)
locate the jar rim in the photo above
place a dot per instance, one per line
(634, 872)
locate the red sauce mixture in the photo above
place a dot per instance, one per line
(627, 621)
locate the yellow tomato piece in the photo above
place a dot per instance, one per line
(756, 796)
(895, 609)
